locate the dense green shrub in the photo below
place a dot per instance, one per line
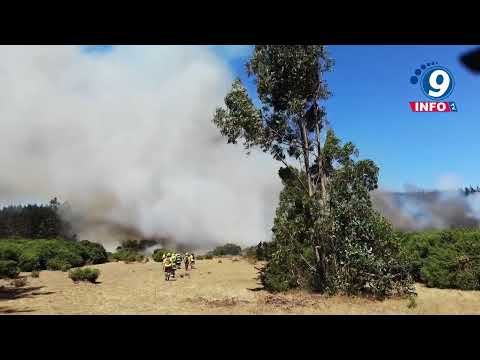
(54, 254)
(8, 269)
(158, 254)
(209, 256)
(127, 256)
(93, 253)
(85, 274)
(31, 260)
(35, 274)
(58, 264)
(227, 249)
(444, 258)
(9, 251)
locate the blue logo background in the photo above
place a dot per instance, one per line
(425, 82)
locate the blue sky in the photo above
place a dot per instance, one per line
(369, 107)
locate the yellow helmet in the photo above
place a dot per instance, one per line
(168, 254)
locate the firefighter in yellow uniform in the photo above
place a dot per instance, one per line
(168, 265)
(191, 260)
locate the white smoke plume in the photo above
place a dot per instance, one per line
(418, 209)
(126, 139)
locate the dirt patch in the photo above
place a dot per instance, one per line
(280, 300)
(229, 301)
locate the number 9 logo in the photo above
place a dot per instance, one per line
(437, 83)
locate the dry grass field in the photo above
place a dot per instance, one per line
(229, 287)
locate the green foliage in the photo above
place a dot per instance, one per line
(93, 253)
(444, 258)
(59, 264)
(290, 85)
(84, 274)
(127, 256)
(52, 254)
(357, 249)
(227, 249)
(263, 251)
(8, 269)
(158, 254)
(326, 235)
(35, 274)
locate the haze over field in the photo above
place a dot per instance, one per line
(126, 138)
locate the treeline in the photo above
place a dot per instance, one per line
(471, 190)
(34, 222)
(36, 237)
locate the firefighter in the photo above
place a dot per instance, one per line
(168, 265)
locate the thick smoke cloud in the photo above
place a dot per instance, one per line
(126, 138)
(416, 209)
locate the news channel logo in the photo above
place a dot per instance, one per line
(436, 83)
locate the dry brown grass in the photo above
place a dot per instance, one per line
(211, 288)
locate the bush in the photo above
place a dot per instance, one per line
(227, 249)
(444, 258)
(85, 274)
(35, 274)
(127, 256)
(9, 250)
(58, 264)
(30, 260)
(8, 269)
(93, 253)
(209, 256)
(54, 254)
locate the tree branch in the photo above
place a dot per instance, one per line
(306, 262)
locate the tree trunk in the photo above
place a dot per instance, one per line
(320, 174)
(306, 158)
(322, 179)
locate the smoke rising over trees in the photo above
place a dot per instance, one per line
(125, 137)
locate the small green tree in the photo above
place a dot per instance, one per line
(227, 249)
(326, 235)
